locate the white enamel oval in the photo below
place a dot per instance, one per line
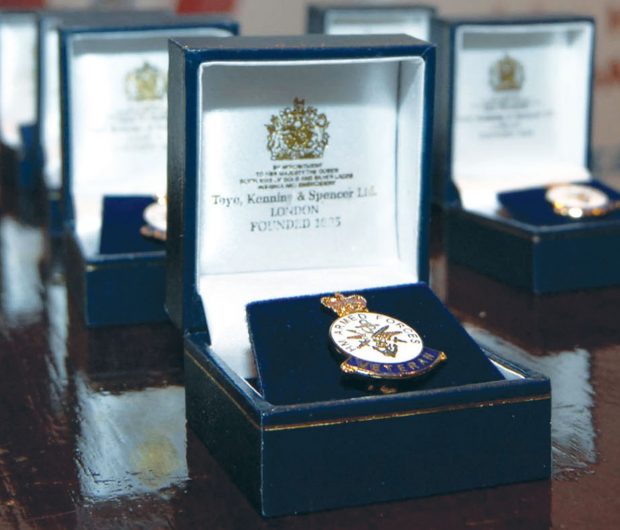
(155, 215)
(577, 196)
(376, 338)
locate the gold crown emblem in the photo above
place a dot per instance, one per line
(297, 133)
(145, 83)
(506, 74)
(345, 305)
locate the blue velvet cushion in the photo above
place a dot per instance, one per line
(530, 206)
(296, 364)
(122, 220)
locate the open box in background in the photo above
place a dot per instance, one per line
(18, 37)
(114, 104)
(517, 105)
(415, 20)
(48, 110)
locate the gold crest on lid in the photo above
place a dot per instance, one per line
(146, 83)
(506, 74)
(297, 133)
(345, 305)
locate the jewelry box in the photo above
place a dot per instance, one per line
(297, 167)
(48, 141)
(415, 20)
(517, 106)
(17, 106)
(114, 113)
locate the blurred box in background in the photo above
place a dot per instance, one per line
(257, 17)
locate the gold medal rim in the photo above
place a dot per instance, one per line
(576, 212)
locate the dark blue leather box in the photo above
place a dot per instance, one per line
(48, 134)
(113, 87)
(17, 109)
(30, 206)
(415, 20)
(510, 130)
(246, 267)
(47, 137)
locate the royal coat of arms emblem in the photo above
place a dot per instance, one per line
(297, 133)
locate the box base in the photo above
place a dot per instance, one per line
(345, 454)
(540, 260)
(8, 180)
(116, 290)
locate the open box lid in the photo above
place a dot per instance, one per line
(48, 79)
(114, 105)
(48, 88)
(414, 20)
(297, 166)
(520, 105)
(18, 37)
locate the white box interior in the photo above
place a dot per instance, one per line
(530, 136)
(364, 234)
(18, 40)
(411, 21)
(49, 101)
(118, 142)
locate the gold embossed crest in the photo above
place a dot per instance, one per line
(506, 74)
(345, 305)
(297, 133)
(145, 83)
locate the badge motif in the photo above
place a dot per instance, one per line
(297, 133)
(146, 83)
(507, 74)
(579, 200)
(155, 216)
(376, 345)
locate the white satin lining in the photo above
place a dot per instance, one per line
(554, 57)
(50, 110)
(294, 264)
(118, 145)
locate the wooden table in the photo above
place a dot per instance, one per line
(92, 422)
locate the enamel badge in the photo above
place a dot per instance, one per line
(376, 345)
(580, 200)
(155, 217)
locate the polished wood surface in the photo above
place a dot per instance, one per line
(92, 422)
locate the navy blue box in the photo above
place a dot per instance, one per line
(48, 110)
(506, 139)
(113, 87)
(18, 31)
(249, 253)
(9, 164)
(31, 206)
(416, 20)
(47, 140)
(48, 91)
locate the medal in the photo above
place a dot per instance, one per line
(376, 345)
(579, 200)
(155, 218)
